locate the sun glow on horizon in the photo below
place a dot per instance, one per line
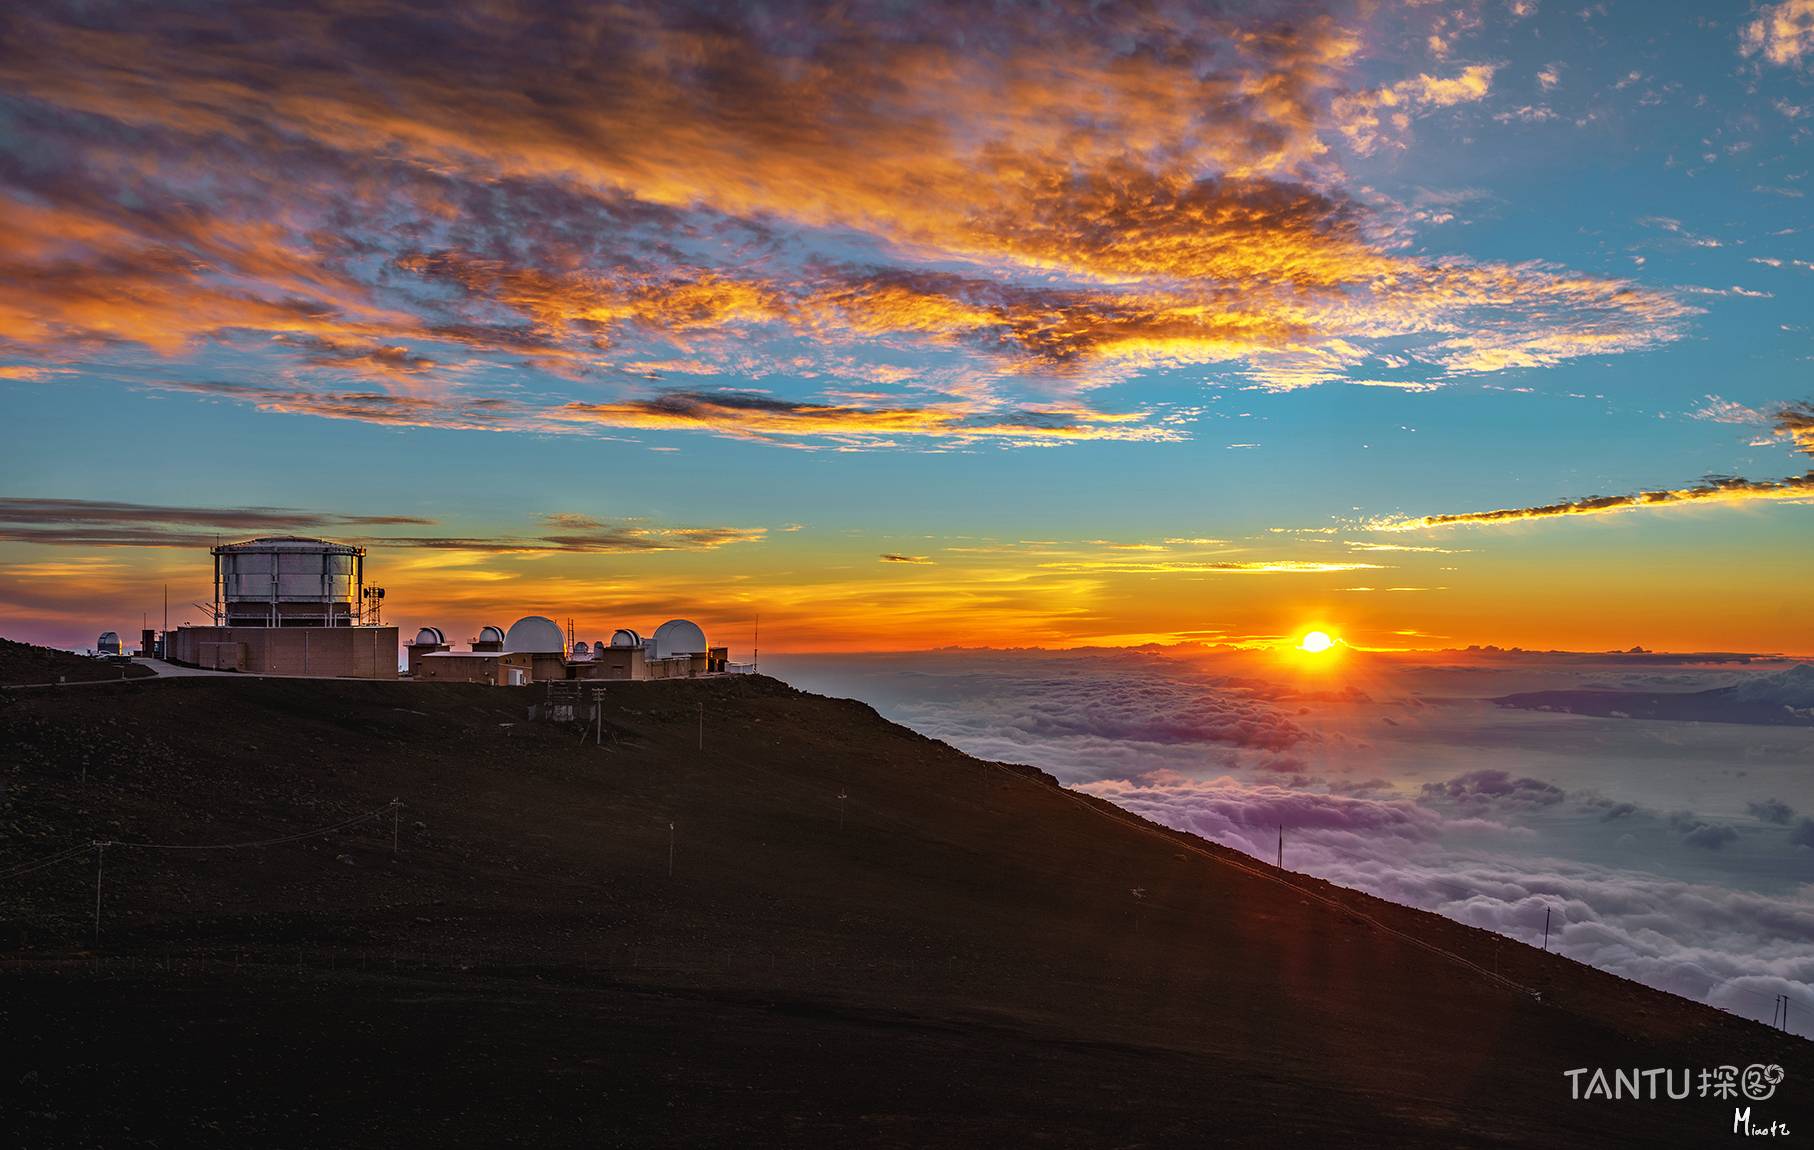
(1316, 642)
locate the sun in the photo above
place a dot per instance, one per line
(1316, 642)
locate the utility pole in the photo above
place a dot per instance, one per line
(1546, 928)
(1281, 863)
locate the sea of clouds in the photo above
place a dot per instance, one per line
(1677, 854)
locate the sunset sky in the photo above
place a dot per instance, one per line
(907, 326)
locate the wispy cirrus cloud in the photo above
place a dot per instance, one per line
(99, 523)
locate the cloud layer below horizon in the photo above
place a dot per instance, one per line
(1384, 789)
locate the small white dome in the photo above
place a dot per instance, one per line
(491, 635)
(679, 637)
(536, 635)
(430, 637)
(581, 650)
(624, 637)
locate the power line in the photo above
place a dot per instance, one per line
(49, 860)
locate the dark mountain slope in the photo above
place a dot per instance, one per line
(26, 663)
(960, 957)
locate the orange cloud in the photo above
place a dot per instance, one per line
(1783, 33)
(1795, 421)
(1359, 115)
(687, 186)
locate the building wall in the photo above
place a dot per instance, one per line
(677, 667)
(463, 667)
(627, 663)
(614, 663)
(549, 666)
(342, 652)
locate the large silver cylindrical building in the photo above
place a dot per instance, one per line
(288, 581)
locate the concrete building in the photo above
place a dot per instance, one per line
(497, 668)
(290, 605)
(340, 652)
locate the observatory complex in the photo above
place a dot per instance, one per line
(535, 650)
(291, 605)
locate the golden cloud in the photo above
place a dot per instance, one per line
(1783, 33)
(753, 416)
(687, 186)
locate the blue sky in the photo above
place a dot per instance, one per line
(848, 295)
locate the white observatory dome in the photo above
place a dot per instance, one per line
(581, 651)
(491, 635)
(679, 637)
(624, 637)
(430, 637)
(536, 635)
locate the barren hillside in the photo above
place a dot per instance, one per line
(867, 938)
